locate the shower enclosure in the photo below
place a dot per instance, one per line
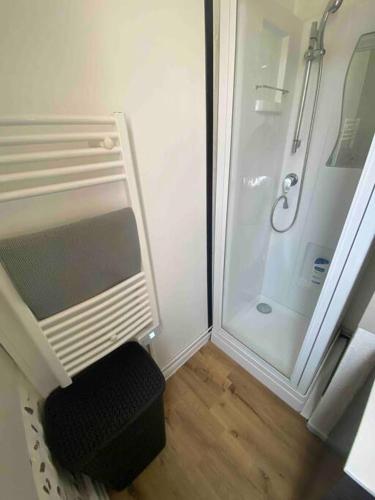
(295, 177)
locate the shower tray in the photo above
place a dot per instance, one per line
(256, 331)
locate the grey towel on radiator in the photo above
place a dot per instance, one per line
(61, 267)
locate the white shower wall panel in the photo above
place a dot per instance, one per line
(328, 191)
(257, 144)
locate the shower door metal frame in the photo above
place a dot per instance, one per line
(350, 252)
(354, 243)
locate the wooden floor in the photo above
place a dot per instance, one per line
(228, 437)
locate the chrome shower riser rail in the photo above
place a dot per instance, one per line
(306, 157)
(315, 51)
(301, 108)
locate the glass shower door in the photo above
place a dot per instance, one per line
(267, 56)
(272, 281)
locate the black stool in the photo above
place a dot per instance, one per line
(109, 424)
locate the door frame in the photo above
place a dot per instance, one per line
(249, 360)
(354, 243)
(350, 252)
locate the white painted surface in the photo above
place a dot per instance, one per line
(93, 57)
(360, 463)
(368, 320)
(21, 336)
(186, 354)
(16, 479)
(323, 378)
(227, 49)
(361, 296)
(353, 370)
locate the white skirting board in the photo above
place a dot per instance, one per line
(186, 354)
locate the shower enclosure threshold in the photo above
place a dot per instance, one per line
(276, 337)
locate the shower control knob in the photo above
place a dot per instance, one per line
(289, 181)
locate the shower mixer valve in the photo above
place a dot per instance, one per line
(289, 181)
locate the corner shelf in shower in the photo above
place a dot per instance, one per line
(268, 106)
(263, 106)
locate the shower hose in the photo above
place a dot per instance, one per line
(307, 152)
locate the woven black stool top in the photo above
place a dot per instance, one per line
(84, 417)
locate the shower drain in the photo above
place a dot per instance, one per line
(264, 308)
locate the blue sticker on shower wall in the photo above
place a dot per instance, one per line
(320, 270)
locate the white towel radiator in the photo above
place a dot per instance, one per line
(48, 156)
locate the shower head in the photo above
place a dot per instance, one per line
(333, 6)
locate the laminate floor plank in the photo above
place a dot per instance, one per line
(230, 438)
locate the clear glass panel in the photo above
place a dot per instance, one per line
(272, 281)
(358, 116)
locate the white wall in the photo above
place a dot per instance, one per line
(21, 477)
(361, 306)
(16, 479)
(368, 319)
(147, 59)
